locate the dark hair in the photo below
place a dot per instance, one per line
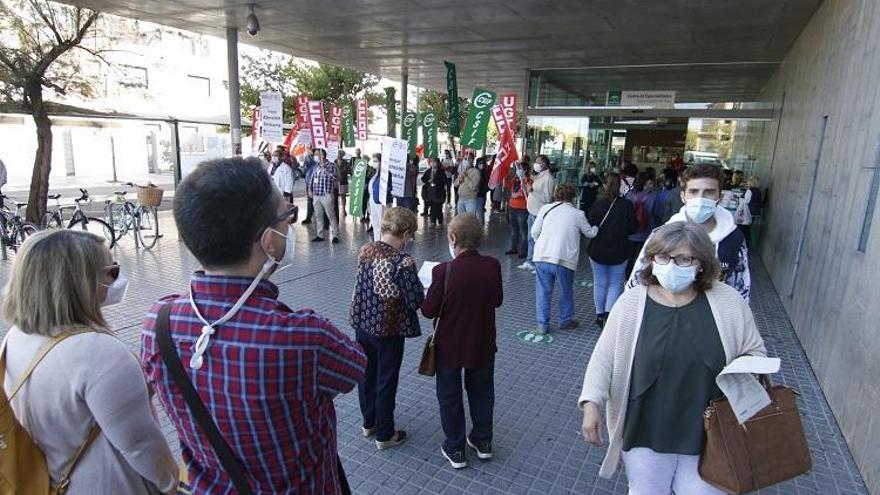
(668, 237)
(222, 207)
(702, 171)
(612, 187)
(565, 192)
(641, 179)
(630, 170)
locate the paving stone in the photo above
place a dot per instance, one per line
(538, 445)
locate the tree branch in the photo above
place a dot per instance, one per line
(39, 10)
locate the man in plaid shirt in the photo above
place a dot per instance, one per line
(321, 188)
(266, 373)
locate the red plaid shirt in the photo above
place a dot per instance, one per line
(268, 380)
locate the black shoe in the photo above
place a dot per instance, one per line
(600, 320)
(318, 239)
(307, 221)
(457, 459)
(483, 449)
(335, 240)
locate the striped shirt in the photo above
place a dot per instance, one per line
(268, 380)
(323, 179)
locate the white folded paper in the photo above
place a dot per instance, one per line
(743, 390)
(426, 273)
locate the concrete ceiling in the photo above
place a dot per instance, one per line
(493, 42)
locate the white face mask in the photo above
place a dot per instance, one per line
(197, 359)
(275, 159)
(700, 210)
(116, 291)
(467, 163)
(537, 167)
(374, 163)
(675, 278)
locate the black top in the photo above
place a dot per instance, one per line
(612, 246)
(678, 355)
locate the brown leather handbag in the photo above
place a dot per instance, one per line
(428, 363)
(769, 448)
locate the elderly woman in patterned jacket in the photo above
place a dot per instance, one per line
(384, 307)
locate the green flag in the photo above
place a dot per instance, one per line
(478, 118)
(356, 188)
(452, 100)
(411, 131)
(429, 135)
(348, 126)
(391, 107)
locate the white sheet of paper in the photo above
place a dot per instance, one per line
(425, 273)
(745, 393)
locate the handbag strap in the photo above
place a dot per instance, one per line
(443, 300)
(607, 213)
(200, 413)
(557, 205)
(64, 480)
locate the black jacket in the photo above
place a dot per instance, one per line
(612, 245)
(434, 190)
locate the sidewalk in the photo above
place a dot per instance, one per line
(538, 444)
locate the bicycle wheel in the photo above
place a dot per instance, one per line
(21, 232)
(117, 215)
(96, 226)
(147, 226)
(52, 221)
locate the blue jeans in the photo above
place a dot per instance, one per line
(467, 206)
(481, 209)
(608, 283)
(529, 224)
(519, 230)
(377, 392)
(548, 275)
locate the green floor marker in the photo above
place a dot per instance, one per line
(534, 338)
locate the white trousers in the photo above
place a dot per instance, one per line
(651, 473)
(325, 204)
(376, 212)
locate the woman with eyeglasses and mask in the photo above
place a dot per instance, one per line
(384, 312)
(88, 391)
(654, 367)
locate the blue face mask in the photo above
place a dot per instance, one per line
(700, 210)
(674, 278)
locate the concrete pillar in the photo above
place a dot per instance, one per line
(404, 84)
(525, 112)
(175, 152)
(69, 164)
(234, 90)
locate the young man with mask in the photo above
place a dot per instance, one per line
(538, 194)
(267, 374)
(701, 193)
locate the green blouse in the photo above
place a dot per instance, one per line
(677, 357)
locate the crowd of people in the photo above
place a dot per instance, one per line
(249, 383)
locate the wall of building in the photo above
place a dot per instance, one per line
(832, 70)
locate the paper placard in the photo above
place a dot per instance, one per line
(271, 117)
(743, 390)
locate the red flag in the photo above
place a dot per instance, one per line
(362, 117)
(506, 147)
(509, 104)
(317, 124)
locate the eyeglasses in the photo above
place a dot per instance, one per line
(112, 270)
(681, 260)
(289, 216)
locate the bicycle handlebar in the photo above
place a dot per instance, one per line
(84, 197)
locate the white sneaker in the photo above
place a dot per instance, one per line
(526, 266)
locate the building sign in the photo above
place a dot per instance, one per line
(652, 99)
(271, 116)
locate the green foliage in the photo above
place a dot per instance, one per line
(42, 44)
(435, 101)
(275, 72)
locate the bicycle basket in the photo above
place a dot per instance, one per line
(150, 196)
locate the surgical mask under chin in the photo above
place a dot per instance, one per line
(675, 278)
(700, 209)
(208, 329)
(116, 291)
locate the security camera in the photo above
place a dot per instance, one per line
(252, 24)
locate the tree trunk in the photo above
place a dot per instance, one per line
(37, 198)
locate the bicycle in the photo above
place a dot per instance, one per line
(91, 224)
(55, 219)
(13, 227)
(126, 216)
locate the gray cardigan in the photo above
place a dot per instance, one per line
(89, 378)
(607, 380)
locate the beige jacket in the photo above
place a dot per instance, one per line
(607, 379)
(468, 183)
(541, 193)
